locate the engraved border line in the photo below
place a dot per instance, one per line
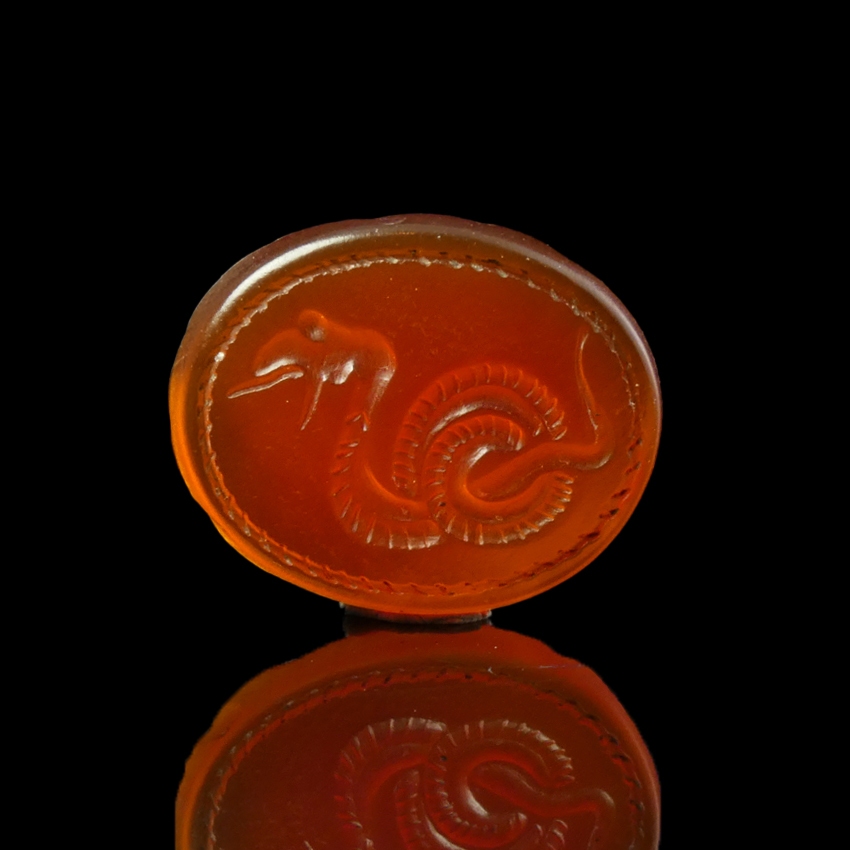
(339, 577)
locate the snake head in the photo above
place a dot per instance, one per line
(278, 360)
(323, 351)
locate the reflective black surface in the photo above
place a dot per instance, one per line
(218, 620)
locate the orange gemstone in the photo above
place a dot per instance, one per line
(420, 415)
(395, 741)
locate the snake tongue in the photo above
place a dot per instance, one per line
(264, 382)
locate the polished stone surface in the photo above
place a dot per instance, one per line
(420, 416)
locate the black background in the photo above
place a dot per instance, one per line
(204, 621)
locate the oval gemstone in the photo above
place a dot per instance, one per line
(421, 416)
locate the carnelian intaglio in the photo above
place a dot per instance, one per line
(434, 741)
(419, 416)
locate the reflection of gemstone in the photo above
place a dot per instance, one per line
(442, 775)
(497, 424)
(480, 738)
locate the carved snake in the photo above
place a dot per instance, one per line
(436, 778)
(464, 415)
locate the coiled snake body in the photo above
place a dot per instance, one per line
(464, 415)
(433, 779)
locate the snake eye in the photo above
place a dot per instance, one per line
(313, 325)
